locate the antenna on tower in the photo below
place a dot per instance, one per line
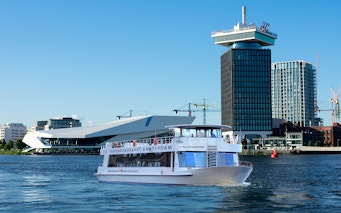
(243, 15)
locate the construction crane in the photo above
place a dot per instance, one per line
(332, 110)
(131, 114)
(316, 79)
(125, 116)
(204, 109)
(334, 99)
(184, 110)
(190, 110)
(335, 103)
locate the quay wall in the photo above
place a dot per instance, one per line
(317, 150)
(297, 150)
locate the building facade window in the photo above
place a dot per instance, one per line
(246, 89)
(293, 86)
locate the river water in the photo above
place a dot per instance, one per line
(295, 183)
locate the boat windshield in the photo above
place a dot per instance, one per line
(197, 132)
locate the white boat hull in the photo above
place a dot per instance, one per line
(234, 175)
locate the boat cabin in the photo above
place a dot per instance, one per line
(196, 131)
(190, 146)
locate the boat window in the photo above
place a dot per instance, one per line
(188, 132)
(192, 159)
(225, 159)
(201, 133)
(215, 133)
(140, 160)
(177, 132)
(111, 161)
(210, 133)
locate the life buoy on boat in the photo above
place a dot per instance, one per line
(156, 141)
(134, 143)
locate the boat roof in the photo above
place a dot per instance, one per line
(199, 126)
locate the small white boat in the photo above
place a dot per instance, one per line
(189, 155)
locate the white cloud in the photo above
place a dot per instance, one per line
(7, 94)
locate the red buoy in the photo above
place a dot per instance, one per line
(274, 154)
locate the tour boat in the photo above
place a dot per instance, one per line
(188, 155)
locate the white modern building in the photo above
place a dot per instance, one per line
(92, 137)
(12, 132)
(293, 85)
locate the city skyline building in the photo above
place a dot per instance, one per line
(246, 79)
(293, 85)
(12, 132)
(56, 123)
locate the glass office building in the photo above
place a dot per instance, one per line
(246, 89)
(246, 78)
(294, 92)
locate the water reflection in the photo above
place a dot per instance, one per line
(34, 188)
(243, 199)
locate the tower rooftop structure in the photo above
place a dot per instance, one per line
(244, 33)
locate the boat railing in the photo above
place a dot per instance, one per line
(207, 140)
(142, 142)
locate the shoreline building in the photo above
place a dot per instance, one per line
(294, 94)
(12, 132)
(83, 139)
(56, 123)
(246, 79)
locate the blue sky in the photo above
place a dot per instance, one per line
(98, 59)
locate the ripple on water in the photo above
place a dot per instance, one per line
(66, 183)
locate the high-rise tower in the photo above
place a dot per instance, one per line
(294, 92)
(246, 78)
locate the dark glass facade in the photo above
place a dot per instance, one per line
(246, 89)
